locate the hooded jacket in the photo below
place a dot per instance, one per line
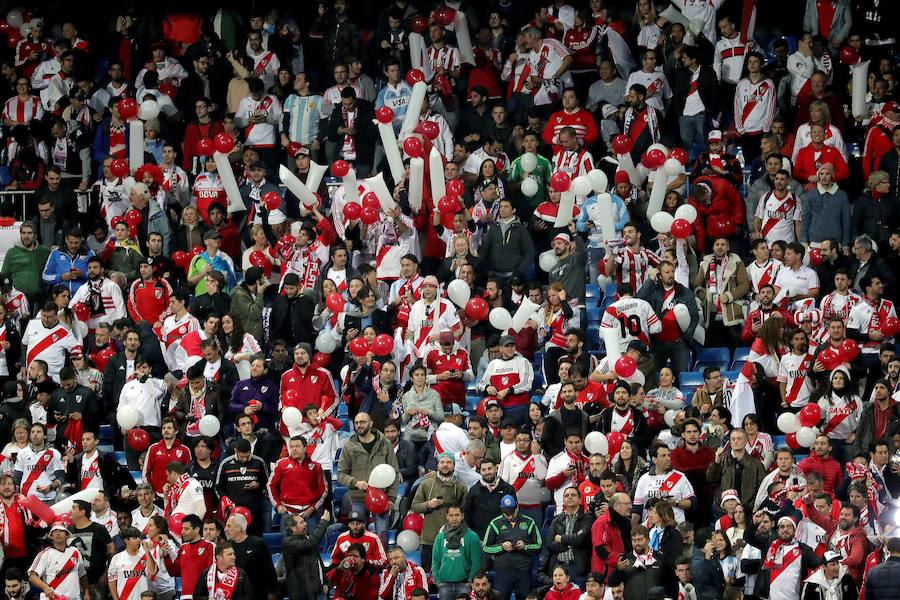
(507, 248)
(817, 587)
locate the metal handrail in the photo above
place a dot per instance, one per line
(19, 200)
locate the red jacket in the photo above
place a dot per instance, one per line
(570, 592)
(581, 120)
(878, 143)
(857, 543)
(354, 586)
(607, 542)
(193, 133)
(158, 456)
(148, 299)
(450, 390)
(807, 165)
(830, 470)
(314, 386)
(726, 203)
(297, 484)
(24, 48)
(193, 558)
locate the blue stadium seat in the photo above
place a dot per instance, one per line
(331, 536)
(690, 379)
(593, 314)
(472, 402)
(731, 375)
(138, 476)
(338, 491)
(538, 359)
(688, 396)
(326, 558)
(778, 441)
(273, 541)
(342, 410)
(741, 353)
(593, 336)
(719, 357)
(607, 302)
(415, 557)
(737, 365)
(106, 434)
(120, 458)
(392, 537)
(592, 290)
(276, 558)
(538, 379)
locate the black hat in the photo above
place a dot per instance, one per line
(355, 515)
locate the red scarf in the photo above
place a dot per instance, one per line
(224, 587)
(175, 491)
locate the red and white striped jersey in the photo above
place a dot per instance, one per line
(658, 90)
(23, 110)
(729, 58)
(754, 105)
(837, 304)
(573, 163)
(634, 318)
(103, 298)
(864, 317)
(446, 58)
(778, 215)
(763, 274)
(581, 120)
(793, 371)
(632, 267)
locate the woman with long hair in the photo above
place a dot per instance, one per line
(20, 440)
(61, 296)
(759, 443)
(645, 18)
(239, 345)
(841, 411)
(630, 465)
(735, 533)
(722, 552)
(819, 114)
(552, 320)
(665, 539)
(460, 252)
(665, 396)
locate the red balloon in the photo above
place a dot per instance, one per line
(560, 181)
(352, 210)
(444, 16)
(39, 509)
(384, 114)
(891, 326)
(849, 56)
(830, 358)
(223, 143)
(414, 522)
(138, 439)
(7, 221)
(653, 159)
(82, 312)
(335, 302)
(621, 144)
(418, 23)
(340, 168)
(414, 76)
(320, 360)
(383, 344)
(614, 440)
(679, 154)
(258, 258)
(370, 200)
(849, 350)
(181, 258)
(12, 39)
(118, 167)
(205, 147)
(358, 346)
(791, 440)
(175, 523)
(681, 229)
(413, 146)
(133, 230)
(430, 129)
(719, 226)
(370, 216)
(287, 240)
(240, 510)
(197, 250)
(447, 205)
(4, 26)
(271, 200)
(810, 415)
(477, 309)
(626, 366)
(455, 187)
(134, 217)
(815, 257)
(128, 108)
(377, 501)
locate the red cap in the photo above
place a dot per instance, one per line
(890, 106)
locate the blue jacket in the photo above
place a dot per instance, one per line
(825, 215)
(61, 262)
(595, 237)
(263, 389)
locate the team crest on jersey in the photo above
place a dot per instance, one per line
(504, 380)
(182, 329)
(55, 337)
(78, 399)
(200, 550)
(523, 525)
(243, 470)
(158, 294)
(264, 388)
(314, 378)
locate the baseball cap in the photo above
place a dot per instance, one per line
(729, 495)
(830, 556)
(508, 502)
(493, 402)
(890, 106)
(454, 409)
(59, 526)
(507, 339)
(431, 280)
(76, 351)
(714, 136)
(256, 164)
(298, 150)
(564, 237)
(507, 423)
(355, 515)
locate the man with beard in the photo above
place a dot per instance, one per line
(567, 417)
(297, 485)
(611, 534)
(624, 418)
(101, 295)
(663, 294)
(12, 525)
(642, 122)
(526, 472)
(449, 368)
(224, 579)
(96, 470)
(593, 485)
(630, 263)
(311, 384)
(482, 503)
(692, 458)
(784, 559)
(567, 468)
(47, 340)
(438, 490)
(552, 398)
(779, 215)
(866, 320)
(663, 482)
(842, 535)
(821, 461)
(354, 577)
(477, 428)
(765, 310)
(358, 535)
(763, 270)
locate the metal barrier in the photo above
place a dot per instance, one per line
(20, 204)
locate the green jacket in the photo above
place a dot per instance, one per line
(501, 529)
(356, 464)
(456, 565)
(248, 309)
(453, 492)
(126, 261)
(25, 268)
(541, 174)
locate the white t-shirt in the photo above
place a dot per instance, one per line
(803, 279)
(794, 374)
(673, 483)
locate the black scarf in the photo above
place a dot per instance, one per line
(453, 536)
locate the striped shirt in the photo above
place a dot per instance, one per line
(302, 118)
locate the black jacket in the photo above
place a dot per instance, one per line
(641, 435)
(243, 590)
(890, 164)
(406, 459)
(304, 568)
(254, 557)
(883, 581)
(217, 395)
(366, 132)
(81, 400)
(510, 253)
(233, 477)
(291, 320)
(579, 541)
(114, 379)
(671, 547)
(652, 292)
(381, 321)
(876, 218)
(206, 304)
(115, 476)
(707, 86)
(10, 411)
(481, 506)
(814, 591)
(876, 266)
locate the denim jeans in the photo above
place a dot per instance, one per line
(693, 134)
(594, 256)
(449, 591)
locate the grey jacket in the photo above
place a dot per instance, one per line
(158, 222)
(356, 464)
(840, 23)
(826, 214)
(509, 252)
(569, 272)
(429, 401)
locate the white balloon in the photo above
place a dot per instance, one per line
(209, 425)
(382, 476)
(149, 110)
(292, 416)
(669, 417)
(24, 29)
(459, 292)
(686, 212)
(548, 260)
(127, 417)
(682, 316)
(806, 436)
(581, 185)
(788, 422)
(598, 180)
(408, 540)
(530, 186)
(500, 318)
(528, 162)
(325, 343)
(661, 222)
(673, 167)
(596, 443)
(658, 146)
(14, 18)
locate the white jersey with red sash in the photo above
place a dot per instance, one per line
(61, 570)
(754, 105)
(38, 468)
(812, 535)
(173, 330)
(784, 563)
(557, 481)
(130, 574)
(426, 320)
(183, 496)
(339, 277)
(221, 584)
(260, 134)
(527, 475)
(573, 162)
(672, 484)
(552, 326)
(90, 476)
(624, 423)
(761, 446)
(836, 304)
(392, 245)
(265, 63)
(321, 441)
(632, 266)
(763, 274)
(866, 317)
(793, 371)
(48, 344)
(140, 522)
(635, 319)
(778, 215)
(841, 415)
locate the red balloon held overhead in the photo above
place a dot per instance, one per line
(128, 108)
(455, 187)
(430, 129)
(653, 158)
(626, 366)
(444, 16)
(681, 229)
(477, 309)
(560, 181)
(377, 501)
(849, 56)
(447, 205)
(384, 114)
(197, 250)
(352, 210)
(205, 147)
(138, 439)
(383, 344)
(335, 302)
(258, 258)
(370, 216)
(418, 23)
(114, 222)
(340, 168)
(358, 346)
(414, 522)
(679, 154)
(118, 167)
(810, 415)
(82, 312)
(271, 200)
(791, 440)
(181, 258)
(223, 143)
(849, 350)
(413, 147)
(414, 76)
(621, 144)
